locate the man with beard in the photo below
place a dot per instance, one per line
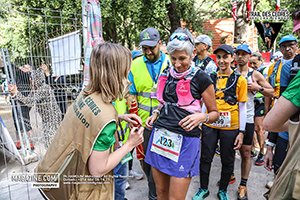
(144, 74)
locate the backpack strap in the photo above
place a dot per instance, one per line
(214, 78)
(231, 85)
(261, 70)
(205, 62)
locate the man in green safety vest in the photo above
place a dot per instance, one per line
(144, 74)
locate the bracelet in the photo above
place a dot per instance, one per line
(156, 111)
(206, 118)
(240, 131)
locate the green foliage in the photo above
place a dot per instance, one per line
(33, 22)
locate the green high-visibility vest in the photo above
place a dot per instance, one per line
(123, 129)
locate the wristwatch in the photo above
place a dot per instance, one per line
(261, 89)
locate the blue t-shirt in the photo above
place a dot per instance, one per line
(284, 81)
(153, 69)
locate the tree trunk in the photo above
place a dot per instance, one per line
(241, 24)
(173, 16)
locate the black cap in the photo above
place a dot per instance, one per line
(227, 48)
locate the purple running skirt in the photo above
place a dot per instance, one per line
(188, 161)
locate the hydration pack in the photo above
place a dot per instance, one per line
(272, 77)
(231, 84)
(204, 63)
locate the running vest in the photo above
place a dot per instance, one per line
(185, 98)
(72, 145)
(202, 64)
(231, 84)
(274, 77)
(145, 87)
(263, 71)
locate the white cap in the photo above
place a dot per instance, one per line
(205, 39)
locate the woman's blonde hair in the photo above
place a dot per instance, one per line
(109, 67)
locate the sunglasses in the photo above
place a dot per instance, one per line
(181, 37)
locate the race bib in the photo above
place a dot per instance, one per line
(224, 120)
(166, 143)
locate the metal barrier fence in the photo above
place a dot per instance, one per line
(47, 77)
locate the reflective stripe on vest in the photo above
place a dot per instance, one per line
(123, 131)
(147, 108)
(151, 95)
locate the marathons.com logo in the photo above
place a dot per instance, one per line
(49, 180)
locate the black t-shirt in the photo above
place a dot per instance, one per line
(199, 83)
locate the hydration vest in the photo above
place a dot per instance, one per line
(231, 84)
(183, 91)
(275, 73)
(204, 63)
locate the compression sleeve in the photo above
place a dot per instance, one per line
(242, 115)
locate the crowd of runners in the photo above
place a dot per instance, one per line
(182, 108)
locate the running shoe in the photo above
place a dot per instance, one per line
(260, 160)
(127, 186)
(253, 153)
(136, 175)
(231, 181)
(223, 195)
(201, 194)
(242, 193)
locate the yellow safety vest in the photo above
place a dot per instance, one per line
(145, 87)
(123, 129)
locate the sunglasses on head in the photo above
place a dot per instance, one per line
(181, 37)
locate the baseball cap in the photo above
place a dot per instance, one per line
(243, 47)
(287, 38)
(203, 39)
(224, 47)
(149, 37)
